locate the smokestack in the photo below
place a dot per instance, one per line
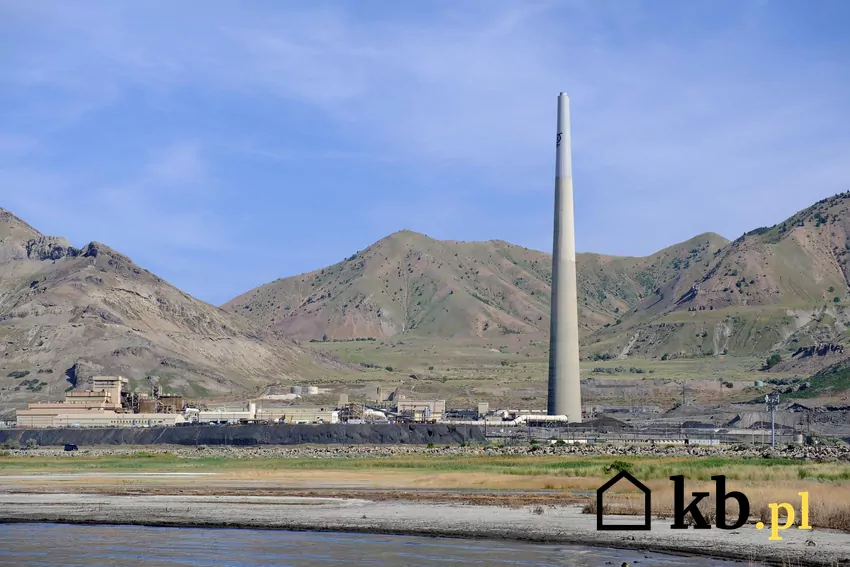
(564, 384)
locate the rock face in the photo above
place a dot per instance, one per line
(68, 313)
(811, 359)
(50, 248)
(819, 350)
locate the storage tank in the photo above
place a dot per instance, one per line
(296, 390)
(312, 390)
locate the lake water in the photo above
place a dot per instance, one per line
(54, 545)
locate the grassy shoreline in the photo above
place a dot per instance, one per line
(645, 468)
(574, 477)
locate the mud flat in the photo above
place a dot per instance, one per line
(553, 524)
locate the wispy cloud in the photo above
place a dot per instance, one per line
(141, 211)
(439, 116)
(180, 164)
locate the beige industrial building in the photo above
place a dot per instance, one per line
(271, 415)
(422, 410)
(98, 407)
(298, 415)
(95, 418)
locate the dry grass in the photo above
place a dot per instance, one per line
(510, 371)
(829, 502)
(568, 479)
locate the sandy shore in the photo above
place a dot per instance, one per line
(555, 524)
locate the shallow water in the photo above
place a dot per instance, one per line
(54, 545)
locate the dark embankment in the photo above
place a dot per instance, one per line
(414, 434)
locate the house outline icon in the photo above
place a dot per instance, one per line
(647, 504)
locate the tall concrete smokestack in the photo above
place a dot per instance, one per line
(564, 384)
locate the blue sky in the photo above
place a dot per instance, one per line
(226, 144)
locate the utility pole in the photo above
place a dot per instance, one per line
(772, 401)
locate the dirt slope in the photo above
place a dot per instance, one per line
(68, 313)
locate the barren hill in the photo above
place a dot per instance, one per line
(801, 261)
(410, 283)
(773, 289)
(67, 313)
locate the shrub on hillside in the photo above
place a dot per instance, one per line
(773, 360)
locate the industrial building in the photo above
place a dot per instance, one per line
(98, 419)
(298, 415)
(104, 405)
(265, 415)
(421, 410)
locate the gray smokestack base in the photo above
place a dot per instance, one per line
(564, 376)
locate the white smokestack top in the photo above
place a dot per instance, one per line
(564, 377)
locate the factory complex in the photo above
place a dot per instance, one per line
(105, 404)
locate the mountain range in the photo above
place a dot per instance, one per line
(67, 313)
(774, 288)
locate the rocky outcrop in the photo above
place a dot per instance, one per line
(98, 250)
(818, 350)
(136, 350)
(98, 314)
(82, 371)
(50, 248)
(811, 359)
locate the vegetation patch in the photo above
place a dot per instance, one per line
(832, 379)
